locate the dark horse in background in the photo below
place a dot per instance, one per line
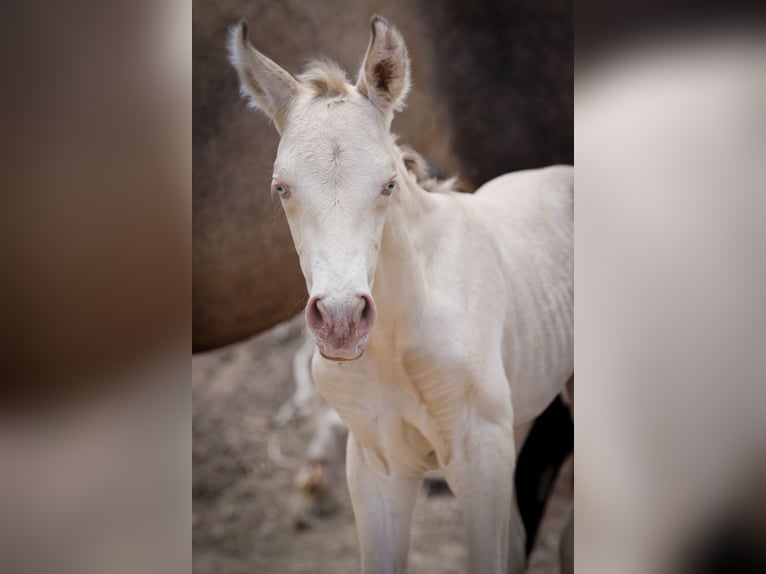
(497, 74)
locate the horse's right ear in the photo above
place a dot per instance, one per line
(266, 85)
(385, 74)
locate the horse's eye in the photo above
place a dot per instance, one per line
(390, 187)
(281, 190)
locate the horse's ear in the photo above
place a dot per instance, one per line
(385, 74)
(266, 85)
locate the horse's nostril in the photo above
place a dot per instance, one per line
(316, 315)
(367, 311)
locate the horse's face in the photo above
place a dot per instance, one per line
(335, 174)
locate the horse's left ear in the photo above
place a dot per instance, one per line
(385, 74)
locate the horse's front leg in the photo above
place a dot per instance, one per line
(382, 499)
(480, 474)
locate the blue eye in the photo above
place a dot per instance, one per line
(281, 189)
(390, 187)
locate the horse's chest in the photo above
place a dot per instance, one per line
(389, 415)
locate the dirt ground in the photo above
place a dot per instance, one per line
(245, 504)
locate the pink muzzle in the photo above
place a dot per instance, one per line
(341, 325)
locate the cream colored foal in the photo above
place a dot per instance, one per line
(443, 321)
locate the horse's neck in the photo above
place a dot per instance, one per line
(399, 281)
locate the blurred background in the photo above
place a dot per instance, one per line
(95, 259)
(492, 93)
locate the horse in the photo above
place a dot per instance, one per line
(443, 321)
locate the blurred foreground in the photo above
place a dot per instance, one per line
(670, 273)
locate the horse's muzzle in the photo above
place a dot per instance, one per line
(341, 325)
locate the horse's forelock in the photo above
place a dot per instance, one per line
(325, 78)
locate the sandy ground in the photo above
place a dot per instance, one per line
(246, 506)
